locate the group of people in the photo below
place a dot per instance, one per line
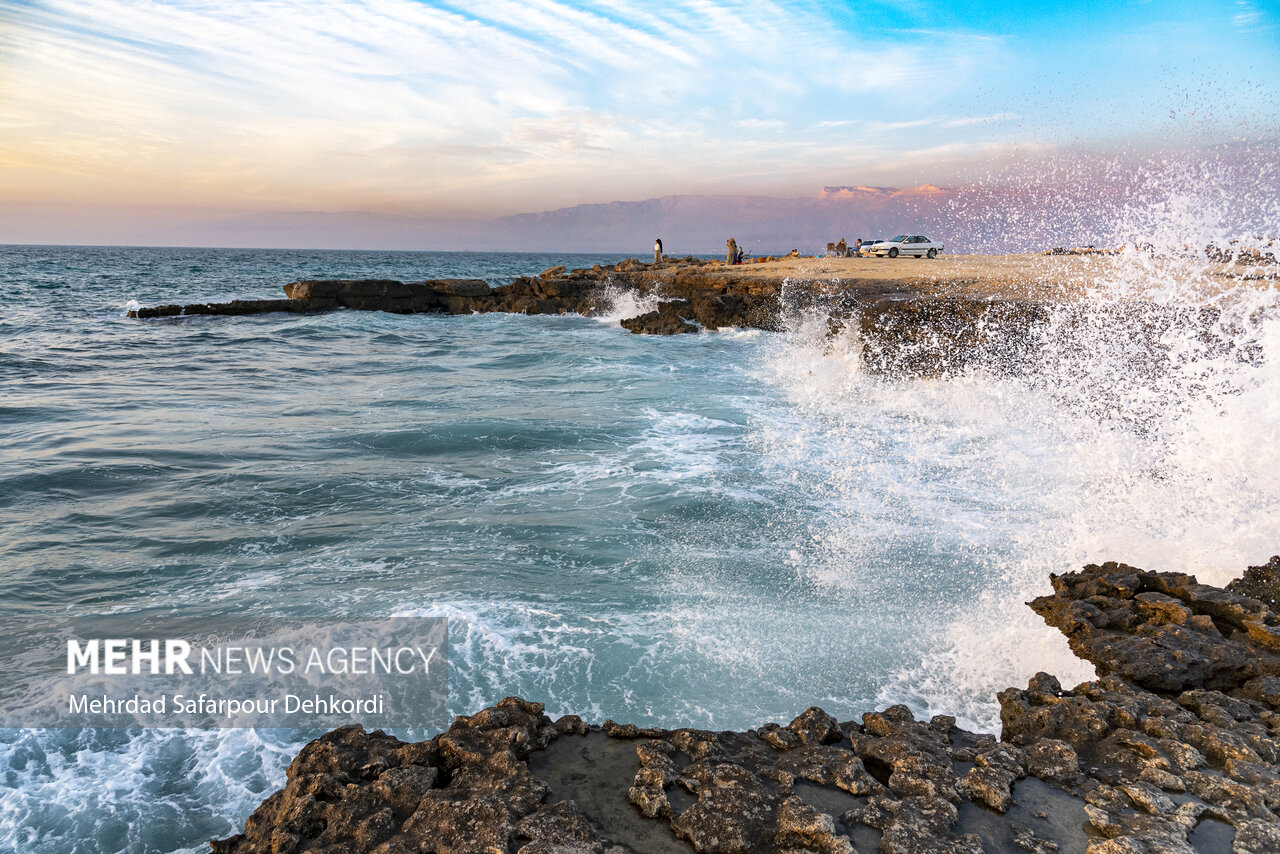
(735, 254)
(843, 249)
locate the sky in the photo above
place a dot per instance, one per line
(196, 110)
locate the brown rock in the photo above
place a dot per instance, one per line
(657, 323)
(1261, 583)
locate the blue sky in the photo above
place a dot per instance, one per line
(492, 107)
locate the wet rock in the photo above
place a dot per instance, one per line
(829, 766)
(1052, 760)
(1261, 583)
(802, 827)
(733, 812)
(658, 323)
(990, 781)
(459, 287)
(558, 829)
(814, 726)
(1143, 627)
(617, 730)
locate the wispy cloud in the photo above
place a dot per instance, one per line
(970, 121)
(1248, 15)
(443, 107)
(300, 101)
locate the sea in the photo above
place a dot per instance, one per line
(713, 530)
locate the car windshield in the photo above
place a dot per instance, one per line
(901, 238)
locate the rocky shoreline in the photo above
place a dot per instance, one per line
(1175, 748)
(905, 323)
(908, 317)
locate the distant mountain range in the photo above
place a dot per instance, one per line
(687, 224)
(972, 219)
(762, 224)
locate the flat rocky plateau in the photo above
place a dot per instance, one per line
(1175, 748)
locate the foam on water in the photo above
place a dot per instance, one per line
(125, 790)
(1141, 429)
(618, 303)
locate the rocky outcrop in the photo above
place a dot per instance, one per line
(1261, 583)
(1176, 748)
(709, 301)
(1181, 736)
(902, 330)
(658, 323)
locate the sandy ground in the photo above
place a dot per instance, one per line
(1032, 276)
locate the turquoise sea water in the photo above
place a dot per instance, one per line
(711, 530)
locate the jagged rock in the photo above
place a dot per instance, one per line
(459, 287)
(802, 827)
(902, 332)
(1162, 631)
(814, 726)
(558, 829)
(990, 781)
(658, 323)
(1052, 760)
(1261, 583)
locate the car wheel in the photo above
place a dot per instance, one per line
(893, 252)
(933, 253)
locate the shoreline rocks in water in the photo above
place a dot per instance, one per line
(909, 316)
(904, 326)
(1174, 748)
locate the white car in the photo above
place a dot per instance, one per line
(907, 244)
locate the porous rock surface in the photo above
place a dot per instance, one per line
(1174, 749)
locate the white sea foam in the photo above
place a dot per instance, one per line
(566, 660)
(1141, 431)
(113, 787)
(618, 303)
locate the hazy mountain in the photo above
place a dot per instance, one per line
(762, 224)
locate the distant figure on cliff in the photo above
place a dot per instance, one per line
(732, 246)
(657, 250)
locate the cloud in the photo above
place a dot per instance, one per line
(429, 107)
(969, 121)
(291, 102)
(1248, 16)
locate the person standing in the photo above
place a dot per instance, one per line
(732, 246)
(657, 250)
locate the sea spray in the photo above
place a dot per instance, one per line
(618, 303)
(1137, 425)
